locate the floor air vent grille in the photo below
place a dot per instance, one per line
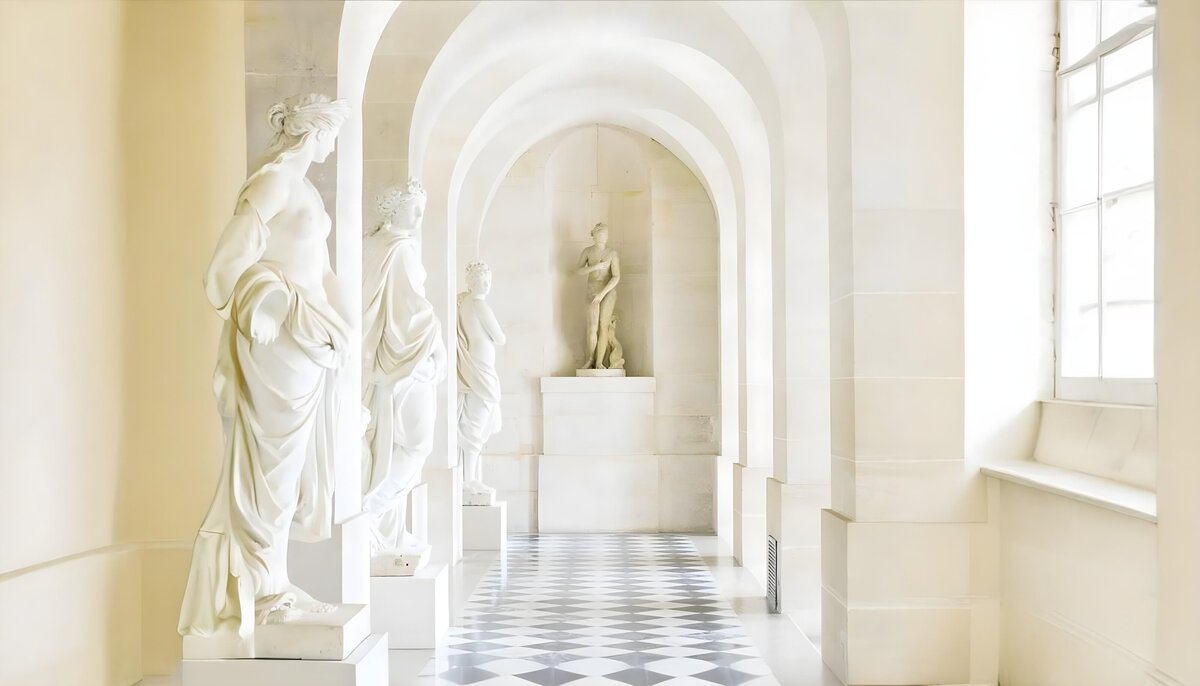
(772, 575)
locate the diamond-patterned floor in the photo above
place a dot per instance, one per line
(598, 609)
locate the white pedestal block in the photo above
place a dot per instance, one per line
(366, 666)
(598, 415)
(484, 498)
(590, 493)
(485, 527)
(600, 372)
(399, 565)
(414, 611)
(332, 636)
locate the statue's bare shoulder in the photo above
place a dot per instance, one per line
(268, 192)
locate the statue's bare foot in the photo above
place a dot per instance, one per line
(281, 615)
(279, 609)
(306, 603)
(319, 608)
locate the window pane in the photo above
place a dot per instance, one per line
(1079, 321)
(1128, 136)
(1079, 157)
(1128, 277)
(1079, 29)
(1117, 14)
(1129, 248)
(1129, 341)
(1128, 62)
(1081, 85)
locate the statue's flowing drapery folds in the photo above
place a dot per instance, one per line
(277, 405)
(478, 398)
(401, 345)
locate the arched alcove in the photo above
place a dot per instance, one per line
(665, 227)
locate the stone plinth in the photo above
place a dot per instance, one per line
(485, 527)
(607, 373)
(414, 611)
(599, 471)
(329, 636)
(367, 665)
(598, 416)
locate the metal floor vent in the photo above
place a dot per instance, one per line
(772, 575)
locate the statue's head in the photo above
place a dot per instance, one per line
(403, 206)
(600, 233)
(306, 120)
(479, 278)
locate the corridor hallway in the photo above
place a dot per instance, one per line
(614, 609)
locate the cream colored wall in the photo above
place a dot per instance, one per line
(116, 167)
(61, 381)
(184, 156)
(1177, 327)
(1077, 590)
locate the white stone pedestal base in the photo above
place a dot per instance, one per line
(367, 665)
(485, 527)
(600, 372)
(331, 636)
(399, 565)
(414, 611)
(484, 498)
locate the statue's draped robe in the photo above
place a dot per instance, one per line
(277, 406)
(478, 399)
(401, 335)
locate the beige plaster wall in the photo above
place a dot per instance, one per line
(61, 381)
(184, 146)
(124, 152)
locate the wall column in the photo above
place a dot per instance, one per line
(908, 513)
(1177, 328)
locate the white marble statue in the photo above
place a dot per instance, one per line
(602, 266)
(280, 347)
(403, 361)
(478, 384)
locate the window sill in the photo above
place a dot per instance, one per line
(1085, 488)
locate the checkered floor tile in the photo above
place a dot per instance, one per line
(598, 610)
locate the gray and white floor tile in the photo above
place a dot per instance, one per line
(598, 610)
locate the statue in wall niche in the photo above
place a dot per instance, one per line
(403, 361)
(602, 266)
(283, 340)
(478, 384)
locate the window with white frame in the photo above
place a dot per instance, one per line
(1105, 296)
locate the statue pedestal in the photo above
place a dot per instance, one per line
(598, 470)
(414, 611)
(484, 499)
(399, 565)
(330, 636)
(367, 665)
(610, 373)
(418, 526)
(485, 527)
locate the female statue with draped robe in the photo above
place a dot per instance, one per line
(282, 342)
(403, 361)
(478, 383)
